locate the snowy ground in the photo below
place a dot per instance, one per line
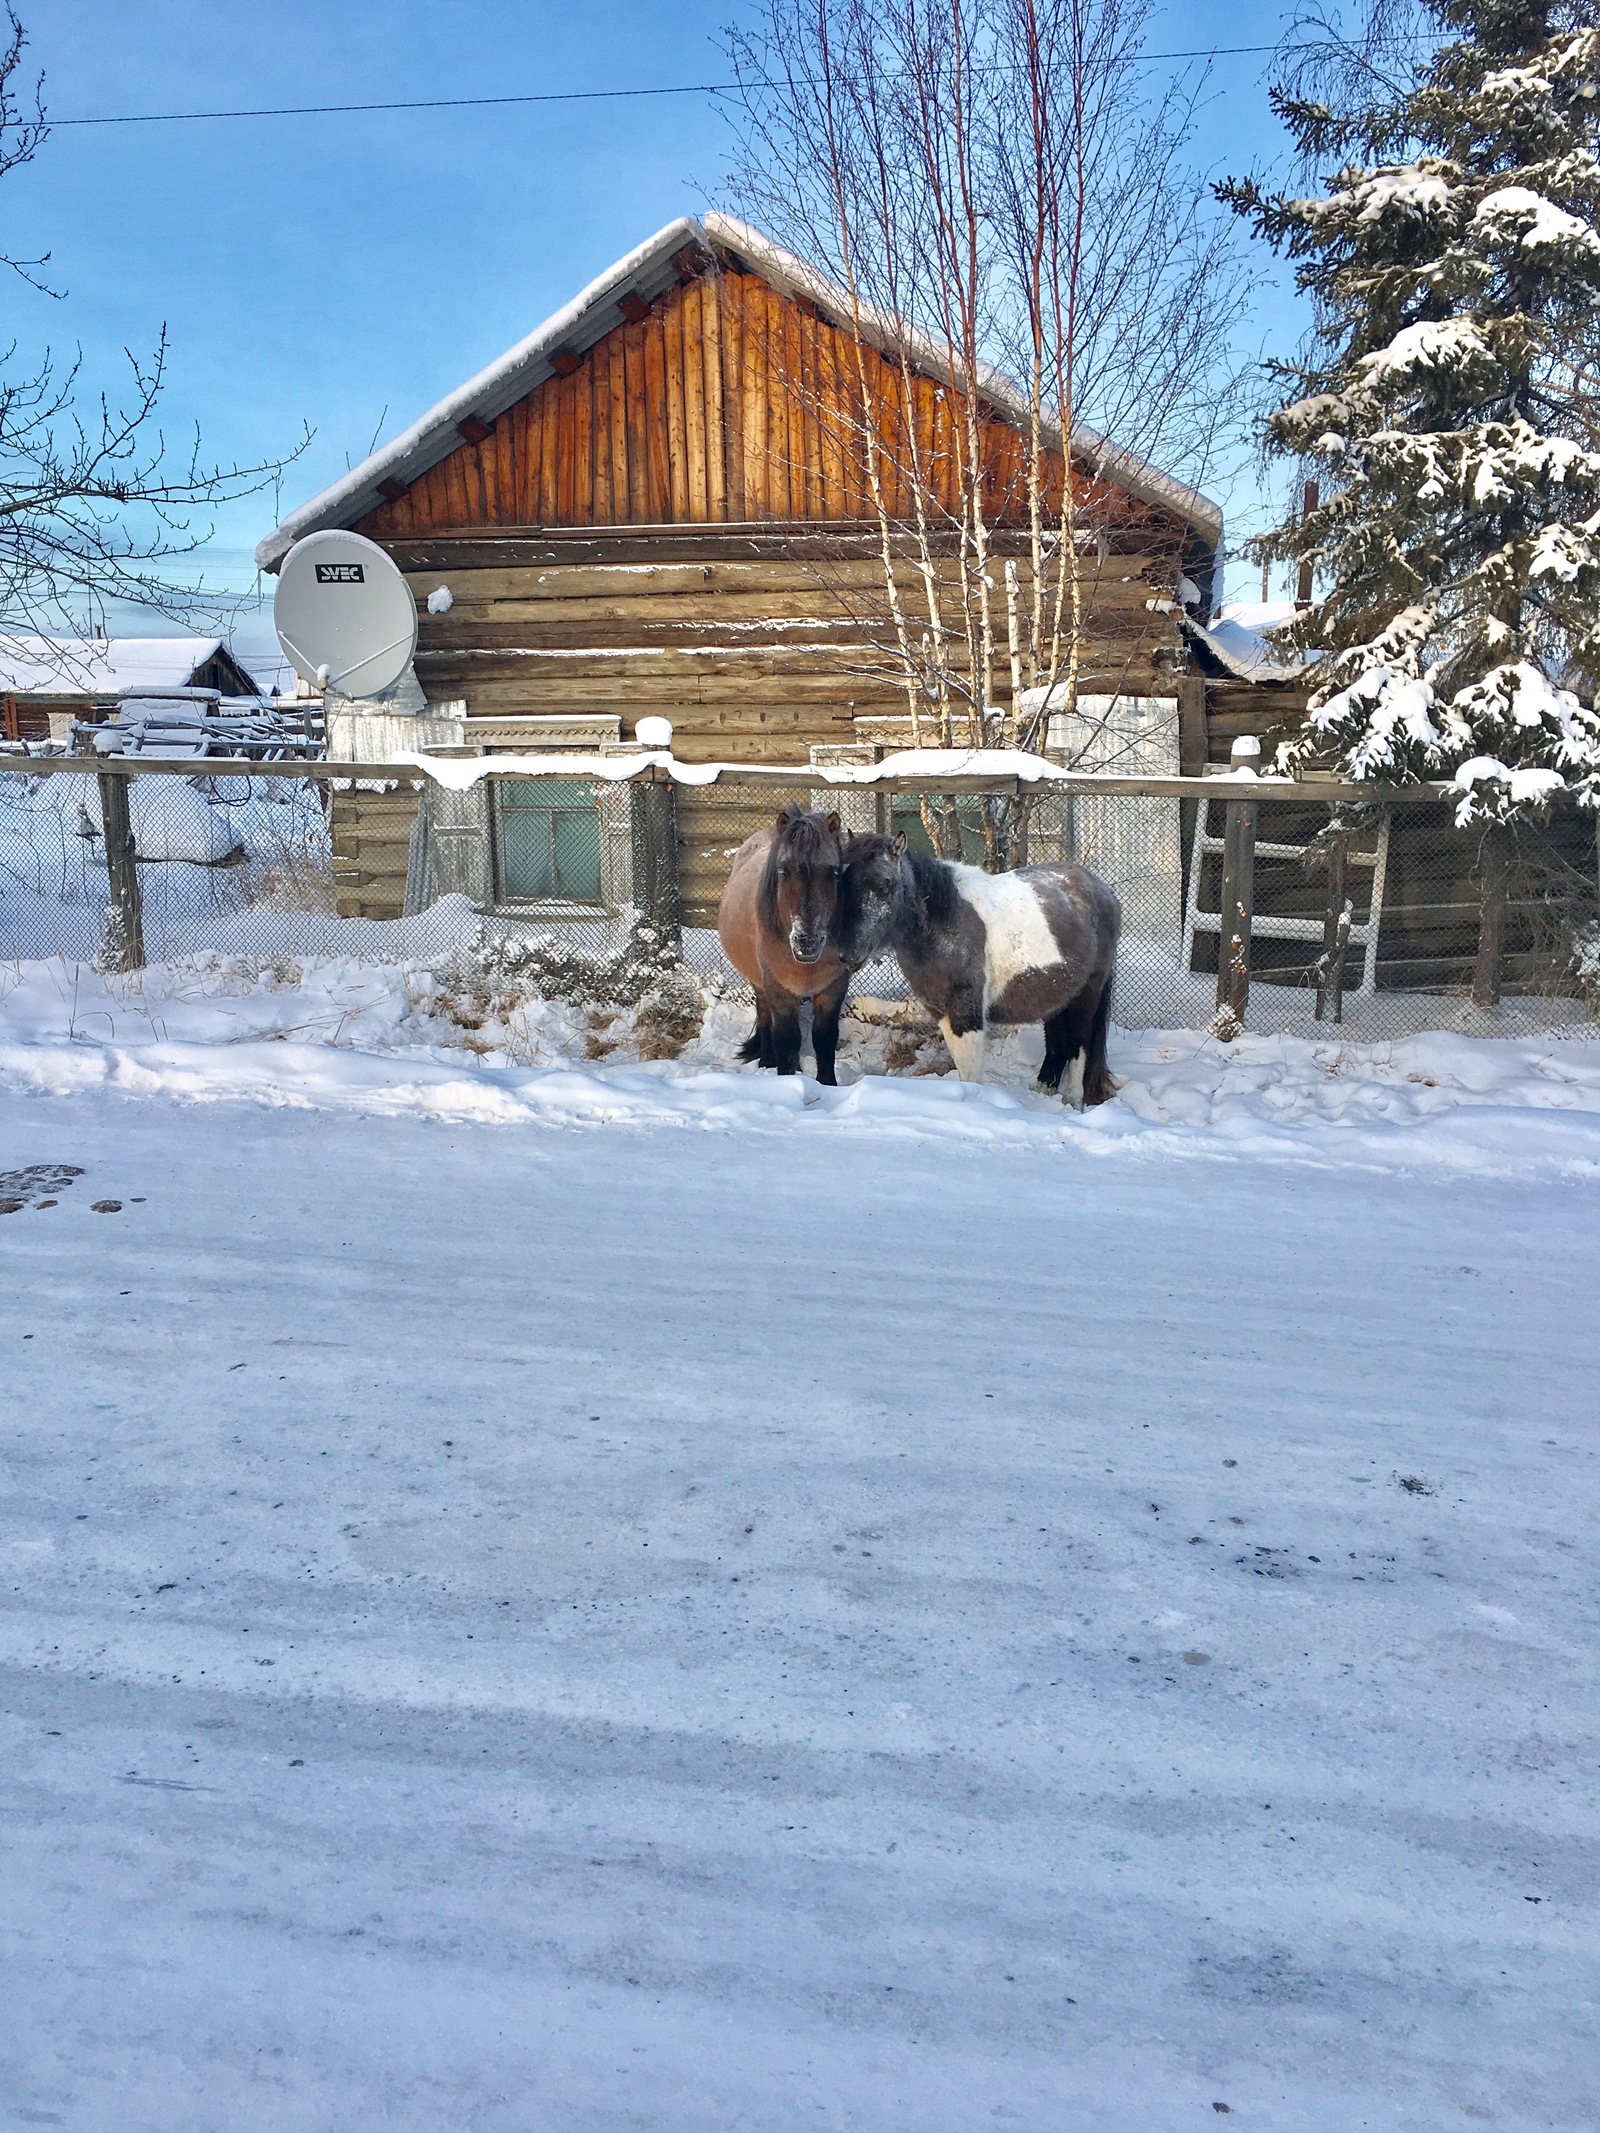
(962, 1633)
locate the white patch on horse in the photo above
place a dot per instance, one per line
(1017, 934)
(1075, 1073)
(967, 1051)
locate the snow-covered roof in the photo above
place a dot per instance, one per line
(100, 667)
(648, 272)
(1236, 638)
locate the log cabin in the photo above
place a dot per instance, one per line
(657, 504)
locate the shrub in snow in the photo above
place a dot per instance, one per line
(1454, 262)
(555, 967)
(638, 978)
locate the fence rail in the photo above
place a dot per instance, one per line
(1273, 903)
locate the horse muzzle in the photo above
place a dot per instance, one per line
(807, 947)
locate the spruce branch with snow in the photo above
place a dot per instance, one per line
(1448, 405)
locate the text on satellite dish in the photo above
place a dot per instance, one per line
(341, 574)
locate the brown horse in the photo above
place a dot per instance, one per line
(805, 906)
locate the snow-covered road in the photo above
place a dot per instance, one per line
(517, 1628)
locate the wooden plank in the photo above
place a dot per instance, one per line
(673, 358)
(754, 404)
(658, 492)
(785, 445)
(621, 513)
(637, 426)
(731, 367)
(596, 385)
(811, 417)
(536, 453)
(694, 412)
(570, 403)
(717, 387)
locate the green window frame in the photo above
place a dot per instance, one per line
(548, 839)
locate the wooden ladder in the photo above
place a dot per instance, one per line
(1362, 934)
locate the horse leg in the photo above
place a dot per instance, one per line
(1066, 1046)
(1058, 1049)
(826, 1008)
(758, 1045)
(1075, 1040)
(1098, 1085)
(966, 1049)
(785, 1032)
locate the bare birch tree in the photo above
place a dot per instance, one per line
(999, 200)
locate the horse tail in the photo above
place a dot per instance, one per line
(751, 1048)
(1099, 1084)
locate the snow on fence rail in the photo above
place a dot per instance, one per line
(1264, 902)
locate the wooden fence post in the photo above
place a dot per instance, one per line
(1335, 933)
(1238, 891)
(124, 942)
(1494, 871)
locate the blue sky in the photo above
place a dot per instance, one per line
(344, 272)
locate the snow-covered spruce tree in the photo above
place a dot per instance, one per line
(1450, 405)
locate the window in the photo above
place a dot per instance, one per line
(549, 839)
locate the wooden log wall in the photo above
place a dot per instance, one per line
(753, 651)
(1239, 707)
(371, 848)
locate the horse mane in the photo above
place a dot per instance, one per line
(933, 887)
(807, 840)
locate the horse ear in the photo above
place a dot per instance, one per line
(786, 815)
(899, 844)
(834, 824)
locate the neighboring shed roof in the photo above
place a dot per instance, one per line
(647, 273)
(100, 668)
(1236, 643)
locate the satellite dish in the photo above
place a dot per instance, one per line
(345, 616)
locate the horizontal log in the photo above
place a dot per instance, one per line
(864, 695)
(491, 548)
(616, 694)
(449, 670)
(549, 598)
(371, 845)
(1130, 580)
(841, 642)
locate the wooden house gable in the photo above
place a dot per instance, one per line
(727, 401)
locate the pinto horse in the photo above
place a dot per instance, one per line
(806, 905)
(1038, 945)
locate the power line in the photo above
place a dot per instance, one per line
(553, 96)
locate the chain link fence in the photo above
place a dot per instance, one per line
(1295, 911)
